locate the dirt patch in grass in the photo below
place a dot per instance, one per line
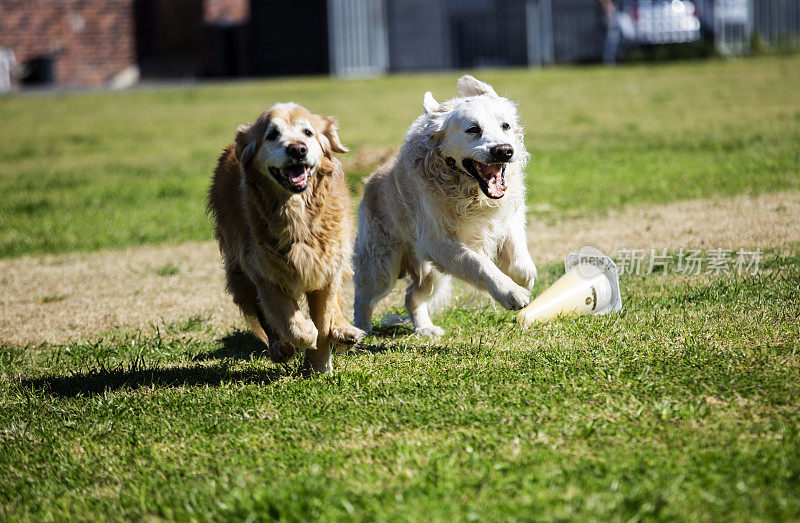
(743, 222)
(137, 287)
(147, 286)
(368, 158)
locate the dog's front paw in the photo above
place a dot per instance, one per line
(512, 296)
(525, 275)
(304, 336)
(281, 352)
(434, 331)
(344, 336)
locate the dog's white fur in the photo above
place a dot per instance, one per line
(428, 220)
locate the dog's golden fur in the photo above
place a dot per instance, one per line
(277, 245)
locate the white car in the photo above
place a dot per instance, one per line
(655, 22)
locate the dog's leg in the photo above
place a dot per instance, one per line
(367, 297)
(245, 295)
(321, 307)
(282, 313)
(343, 334)
(420, 293)
(514, 258)
(474, 268)
(376, 270)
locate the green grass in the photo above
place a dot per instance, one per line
(170, 269)
(53, 298)
(94, 170)
(685, 406)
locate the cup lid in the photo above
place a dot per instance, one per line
(593, 257)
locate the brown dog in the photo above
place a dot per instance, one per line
(284, 225)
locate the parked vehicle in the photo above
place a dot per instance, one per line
(654, 22)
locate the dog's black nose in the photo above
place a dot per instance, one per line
(502, 152)
(296, 151)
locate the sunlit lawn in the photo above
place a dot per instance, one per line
(91, 170)
(684, 406)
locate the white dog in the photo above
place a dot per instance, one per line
(452, 202)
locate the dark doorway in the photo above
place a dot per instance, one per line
(169, 37)
(288, 38)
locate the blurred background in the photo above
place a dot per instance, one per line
(118, 43)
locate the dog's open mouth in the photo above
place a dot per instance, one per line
(491, 177)
(294, 177)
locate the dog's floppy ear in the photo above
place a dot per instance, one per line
(435, 113)
(430, 104)
(471, 86)
(327, 127)
(245, 144)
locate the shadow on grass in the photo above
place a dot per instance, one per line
(397, 338)
(387, 339)
(244, 345)
(240, 345)
(389, 347)
(99, 381)
(372, 348)
(391, 331)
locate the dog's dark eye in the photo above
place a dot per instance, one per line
(505, 126)
(308, 132)
(273, 135)
(473, 129)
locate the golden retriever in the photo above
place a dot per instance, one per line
(451, 203)
(283, 220)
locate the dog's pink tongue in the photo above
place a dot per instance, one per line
(493, 174)
(298, 175)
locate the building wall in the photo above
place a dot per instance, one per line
(578, 31)
(226, 11)
(488, 33)
(419, 35)
(447, 34)
(90, 41)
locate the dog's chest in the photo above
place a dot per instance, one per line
(314, 264)
(312, 250)
(483, 231)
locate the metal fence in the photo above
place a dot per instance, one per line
(357, 37)
(567, 31)
(375, 36)
(735, 24)
(578, 30)
(538, 14)
(564, 31)
(729, 23)
(776, 23)
(487, 33)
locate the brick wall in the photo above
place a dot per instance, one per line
(91, 40)
(228, 11)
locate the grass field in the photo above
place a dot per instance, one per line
(684, 406)
(86, 171)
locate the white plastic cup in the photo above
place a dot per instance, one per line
(590, 286)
